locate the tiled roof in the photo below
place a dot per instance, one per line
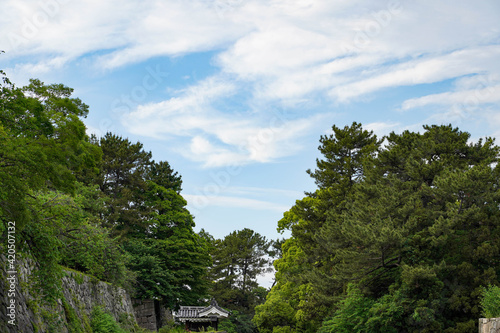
(189, 311)
(213, 306)
(196, 311)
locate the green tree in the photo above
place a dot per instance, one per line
(237, 261)
(122, 179)
(162, 174)
(416, 225)
(81, 201)
(173, 269)
(147, 212)
(275, 312)
(42, 146)
(416, 232)
(352, 313)
(316, 219)
(170, 259)
(42, 142)
(89, 248)
(344, 152)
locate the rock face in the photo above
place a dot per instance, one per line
(89, 293)
(81, 294)
(489, 325)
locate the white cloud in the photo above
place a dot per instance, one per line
(285, 49)
(199, 201)
(466, 98)
(382, 128)
(174, 28)
(470, 92)
(474, 100)
(493, 115)
(355, 48)
(125, 31)
(293, 52)
(218, 138)
(191, 100)
(430, 69)
(23, 72)
(258, 192)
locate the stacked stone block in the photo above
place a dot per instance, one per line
(145, 313)
(81, 293)
(489, 325)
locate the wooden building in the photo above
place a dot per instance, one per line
(197, 317)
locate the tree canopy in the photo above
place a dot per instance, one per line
(238, 259)
(397, 238)
(98, 205)
(402, 233)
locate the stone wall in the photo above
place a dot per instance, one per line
(489, 325)
(145, 314)
(81, 294)
(150, 314)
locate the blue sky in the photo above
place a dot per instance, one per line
(235, 94)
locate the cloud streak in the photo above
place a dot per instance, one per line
(194, 201)
(278, 52)
(217, 138)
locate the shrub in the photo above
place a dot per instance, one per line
(171, 329)
(103, 322)
(490, 302)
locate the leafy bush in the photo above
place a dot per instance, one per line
(89, 247)
(103, 322)
(490, 302)
(227, 325)
(283, 329)
(91, 250)
(351, 315)
(238, 322)
(171, 329)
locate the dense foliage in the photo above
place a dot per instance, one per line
(238, 260)
(98, 205)
(490, 302)
(400, 237)
(103, 322)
